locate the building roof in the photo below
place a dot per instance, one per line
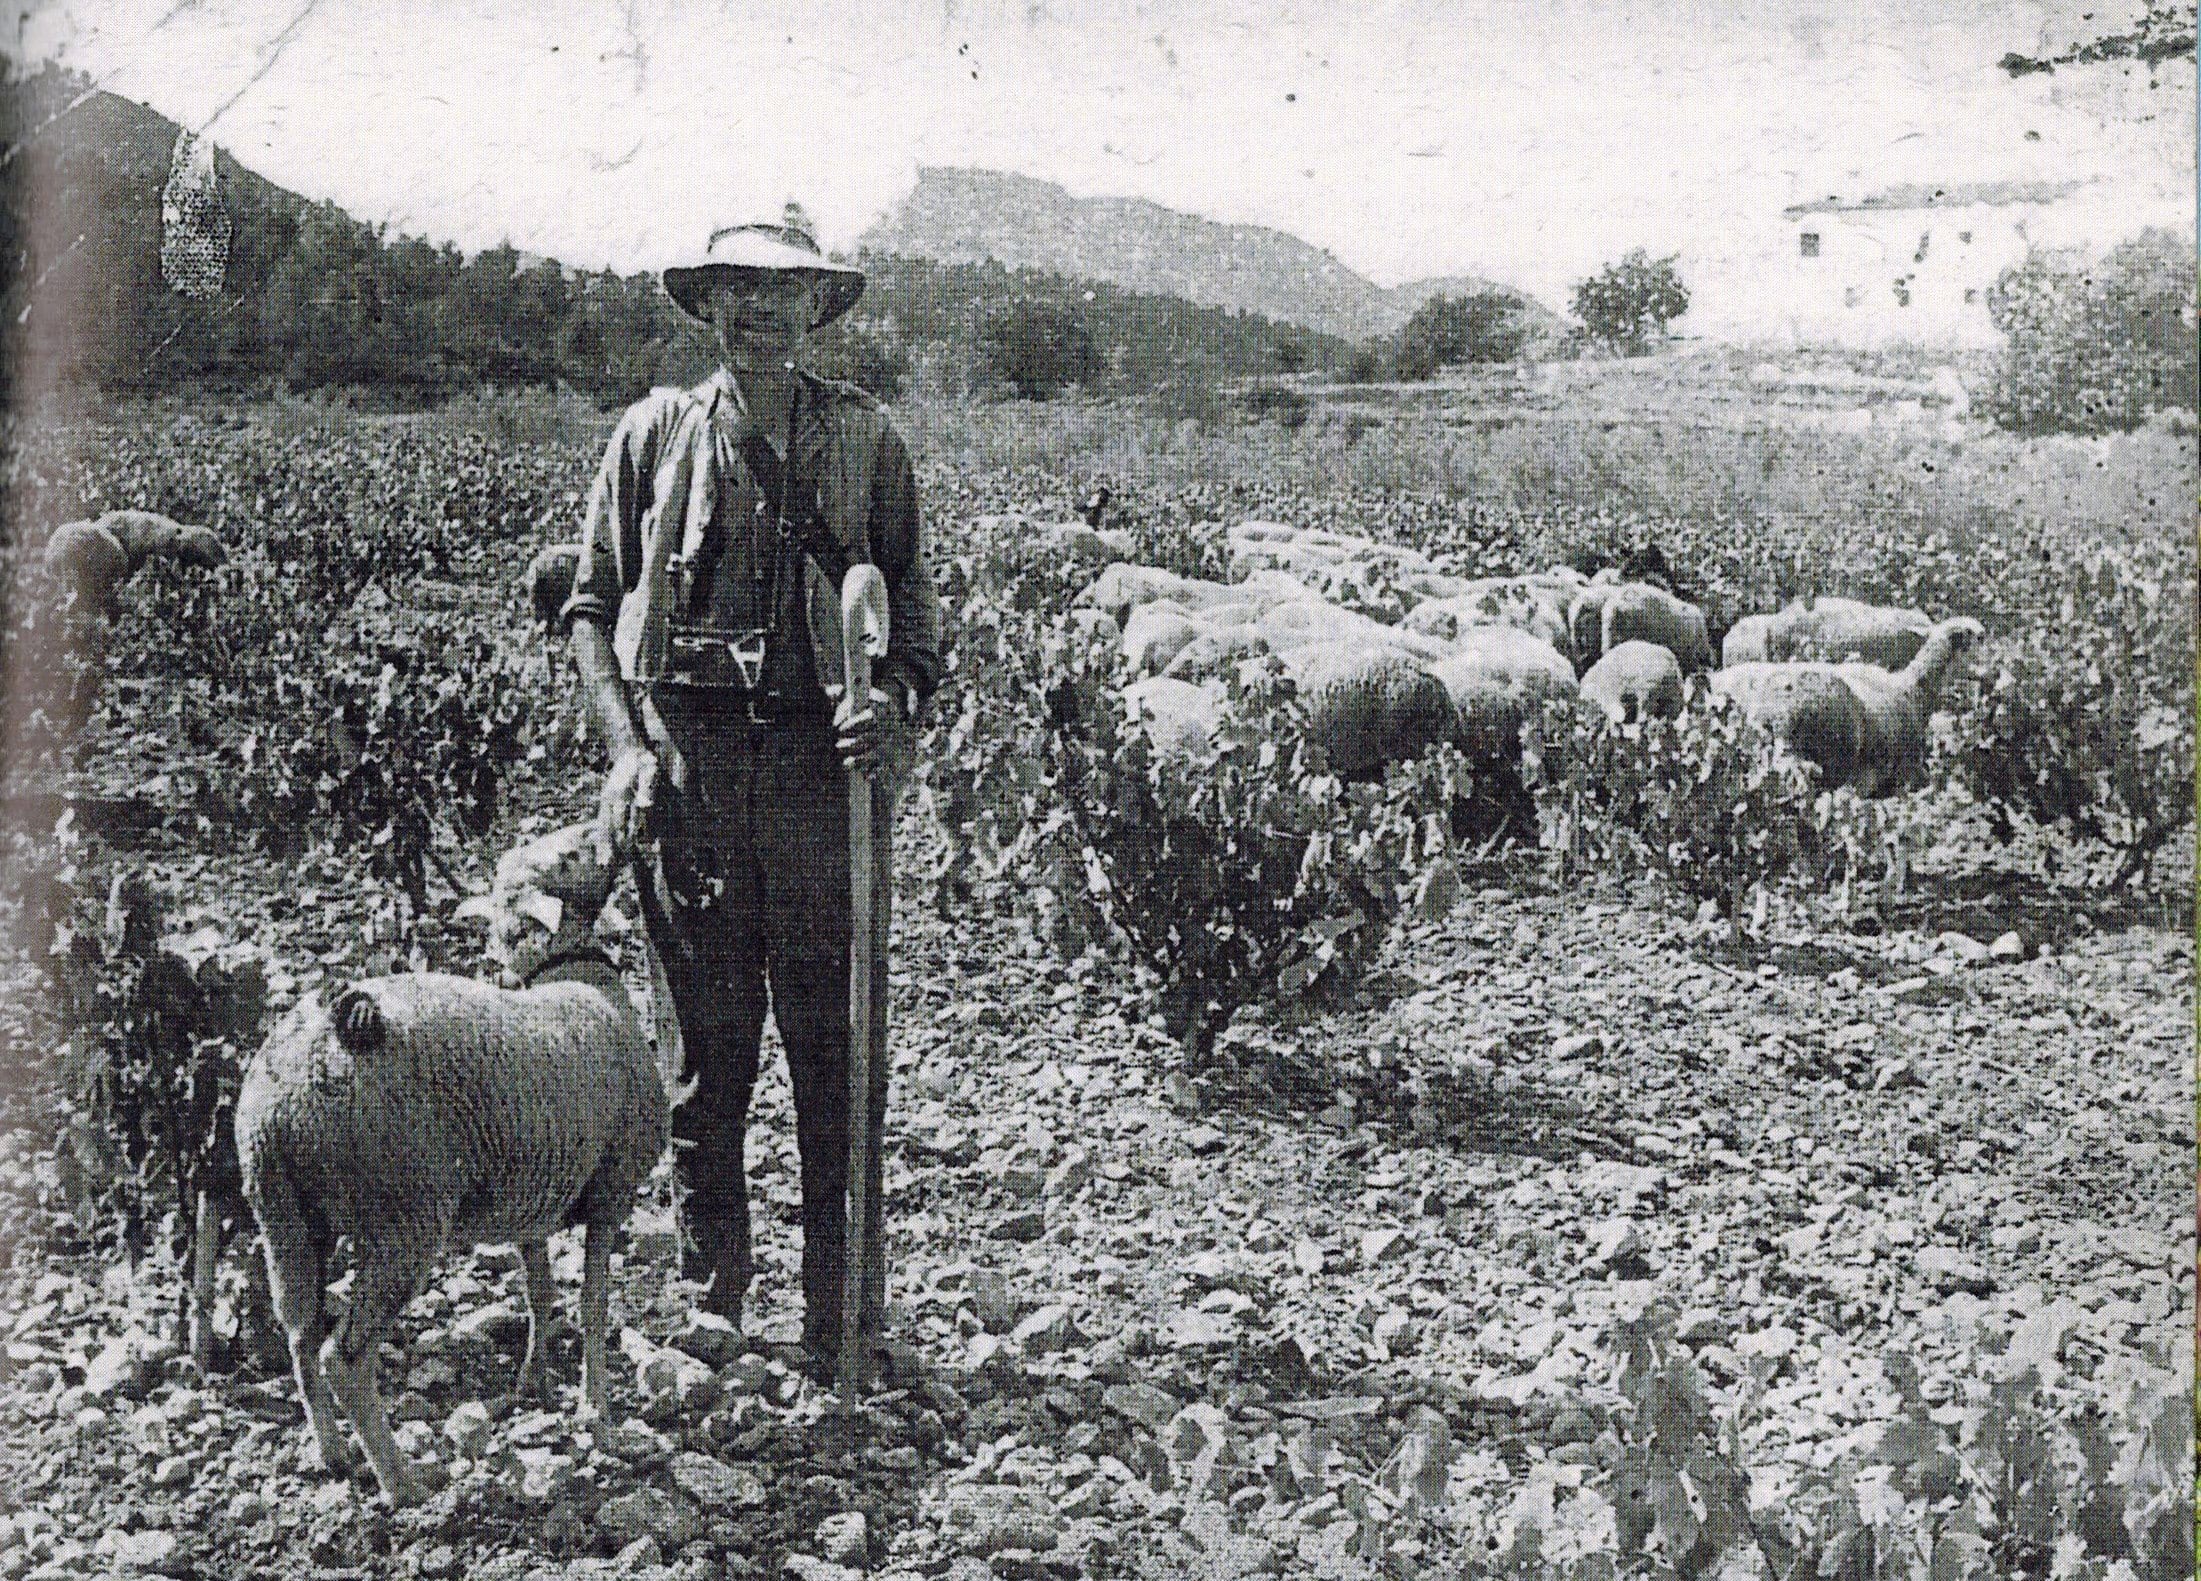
(1954, 195)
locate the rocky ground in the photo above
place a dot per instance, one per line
(1158, 1321)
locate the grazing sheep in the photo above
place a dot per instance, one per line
(1494, 678)
(1638, 612)
(1830, 630)
(1123, 587)
(1367, 707)
(94, 558)
(1635, 680)
(1081, 541)
(1156, 633)
(1213, 653)
(1534, 605)
(1862, 724)
(550, 580)
(1313, 554)
(425, 1111)
(1180, 718)
(1288, 626)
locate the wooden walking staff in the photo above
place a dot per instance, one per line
(863, 638)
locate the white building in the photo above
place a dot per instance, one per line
(1904, 263)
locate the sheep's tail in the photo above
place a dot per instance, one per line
(358, 1019)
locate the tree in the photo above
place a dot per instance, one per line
(1037, 348)
(1480, 326)
(2091, 346)
(1632, 300)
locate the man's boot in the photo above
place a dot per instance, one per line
(716, 1256)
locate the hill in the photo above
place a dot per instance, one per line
(958, 215)
(313, 296)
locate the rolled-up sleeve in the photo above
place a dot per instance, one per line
(611, 534)
(914, 635)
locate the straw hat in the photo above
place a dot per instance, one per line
(740, 249)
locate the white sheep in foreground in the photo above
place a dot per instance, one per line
(1215, 652)
(1635, 680)
(1830, 630)
(1123, 587)
(1861, 724)
(425, 1111)
(1180, 718)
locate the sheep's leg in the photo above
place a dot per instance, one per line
(296, 1262)
(595, 1312)
(385, 1282)
(541, 1310)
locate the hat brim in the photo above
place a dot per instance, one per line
(690, 289)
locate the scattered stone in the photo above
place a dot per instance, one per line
(716, 1485)
(710, 1339)
(124, 1367)
(494, 1325)
(172, 1472)
(1202, 1140)
(1578, 1045)
(1197, 1440)
(467, 1427)
(1073, 1171)
(2007, 947)
(984, 1518)
(1046, 1330)
(1775, 1343)
(805, 1568)
(643, 1552)
(440, 1560)
(246, 1508)
(650, 1512)
(1028, 1224)
(844, 1539)
(1950, 1270)
(1380, 1245)
(146, 1553)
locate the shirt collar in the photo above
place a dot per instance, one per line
(722, 386)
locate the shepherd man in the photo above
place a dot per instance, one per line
(716, 515)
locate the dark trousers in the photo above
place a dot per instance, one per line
(747, 903)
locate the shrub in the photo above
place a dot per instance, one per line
(1037, 349)
(1627, 303)
(154, 1033)
(2085, 722)
(867, 357)
(1254, 876)
(1279, 401)
(2092, 347)
(1478, 326)
(1706, 799)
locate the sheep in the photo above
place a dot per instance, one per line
(1635, 680)
(1830, 630)
(1214, 652)
(1082, 541)
(1288, 626)
(1179, 717)
(550, 580)
(1530, 604)
(1494, 678)
(1123, 587)
(1638, 612)
(94, 558)
(1367, 707)
(418, 1112)
(1095, 507)
(1155, 633)
(1862, 724)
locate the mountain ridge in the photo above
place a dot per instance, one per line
(963, 214)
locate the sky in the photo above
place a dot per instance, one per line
(1524, 140)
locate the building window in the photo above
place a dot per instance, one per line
(1808, 244)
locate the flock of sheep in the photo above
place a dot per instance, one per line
(1847, 686)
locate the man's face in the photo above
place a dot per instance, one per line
(762, 318)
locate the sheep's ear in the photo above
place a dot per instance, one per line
(474, 908)
(548, 910)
